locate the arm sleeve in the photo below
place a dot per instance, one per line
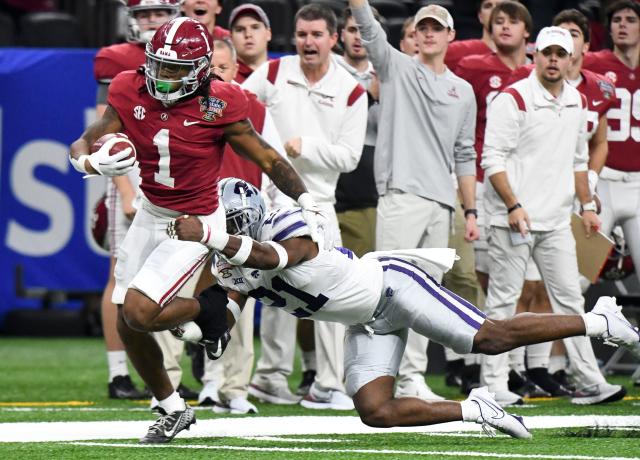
(581, 160)
(258, 84)
(380, 51)
(502, 133)
(344, 154)
(464, 151)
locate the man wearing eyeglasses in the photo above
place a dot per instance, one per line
(535, 155)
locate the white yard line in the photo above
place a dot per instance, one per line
(357, 451)
(271, 426)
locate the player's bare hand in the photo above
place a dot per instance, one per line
(471, 230)
(186, 228)
(591, 222)
(519, 221)
(293, 147)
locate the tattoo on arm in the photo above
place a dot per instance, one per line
(248, 143)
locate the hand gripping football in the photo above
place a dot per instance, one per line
(114, 143)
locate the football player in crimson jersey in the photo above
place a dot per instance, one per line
(205, 11)
(619, 184)
(179, 118)
(461, 48)
(143, 18)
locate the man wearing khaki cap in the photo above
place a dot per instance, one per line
(426, 133)
(535, 155)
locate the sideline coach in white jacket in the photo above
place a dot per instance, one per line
(535, 152)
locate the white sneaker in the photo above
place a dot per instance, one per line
(619, 329)
(414, 386)
(493, 415)
(209, 394)
(507, 398)
(326, 399)
(598, 394)
(274, 394)
(237, 406)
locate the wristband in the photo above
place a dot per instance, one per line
(590, 206)
(78, 164)
(234, 308)
(306, 201)
(513, 208)
(244, 252)
(214, 239)
(283, 257)
(471, 211)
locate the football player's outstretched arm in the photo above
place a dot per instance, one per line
(242, 250)
(246, 141)
(109, 123)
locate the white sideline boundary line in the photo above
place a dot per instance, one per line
(272, 426)
(356, 451)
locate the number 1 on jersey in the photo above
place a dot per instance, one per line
(163, 176)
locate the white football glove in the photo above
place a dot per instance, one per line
(111, 165)
(313, 217)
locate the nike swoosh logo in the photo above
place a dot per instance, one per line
(189, 123)
(497, 410)
(597, 103)
(172, 432)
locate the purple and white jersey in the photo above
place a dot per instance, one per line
(334, 286)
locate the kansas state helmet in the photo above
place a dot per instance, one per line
(244, 206)
(178, 59)
(140, 23)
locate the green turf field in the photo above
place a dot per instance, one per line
(64, 380)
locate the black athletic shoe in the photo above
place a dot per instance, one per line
(121, 387)
(470, 378)
(541, 377)
(453, 373)
(169, 425)
(521, 385)
(187, 393)
(563, 379)
(308, 377)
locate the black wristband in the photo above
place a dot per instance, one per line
(513, 208)
(471, 211)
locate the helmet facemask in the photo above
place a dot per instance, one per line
(244, 207)
(136, 32)
(169, 79)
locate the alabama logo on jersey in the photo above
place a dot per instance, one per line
(212, 107)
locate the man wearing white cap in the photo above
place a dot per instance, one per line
(426, 132)
(535, 156)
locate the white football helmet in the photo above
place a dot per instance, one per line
(244, 206)
(140, 21)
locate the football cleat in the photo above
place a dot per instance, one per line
(237, 406)
(494, 416)
(121, 387)
(326, 399)
(619, 329)
(273, 394)
(598, 394)
(169, 425)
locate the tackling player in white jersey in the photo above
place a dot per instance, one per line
(379, 297)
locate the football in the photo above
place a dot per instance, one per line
(117, 141)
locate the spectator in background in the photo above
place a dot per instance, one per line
(619, 184)
(535, 156)
(320, 111)
(429, 123)
(356, 195)
(461, 48)
(123, 194)
(408, 44)
(250, 33)
(510, 26)
(205, 11)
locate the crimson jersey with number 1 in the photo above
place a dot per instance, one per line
(488, 75)
(624, 116)
(179, 147)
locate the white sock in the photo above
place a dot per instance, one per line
(117, 361)
(516, 359)
(538, 355)
(557, 363)
(173, 403)
(595, 325)
(470, 411)
(309, 361)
